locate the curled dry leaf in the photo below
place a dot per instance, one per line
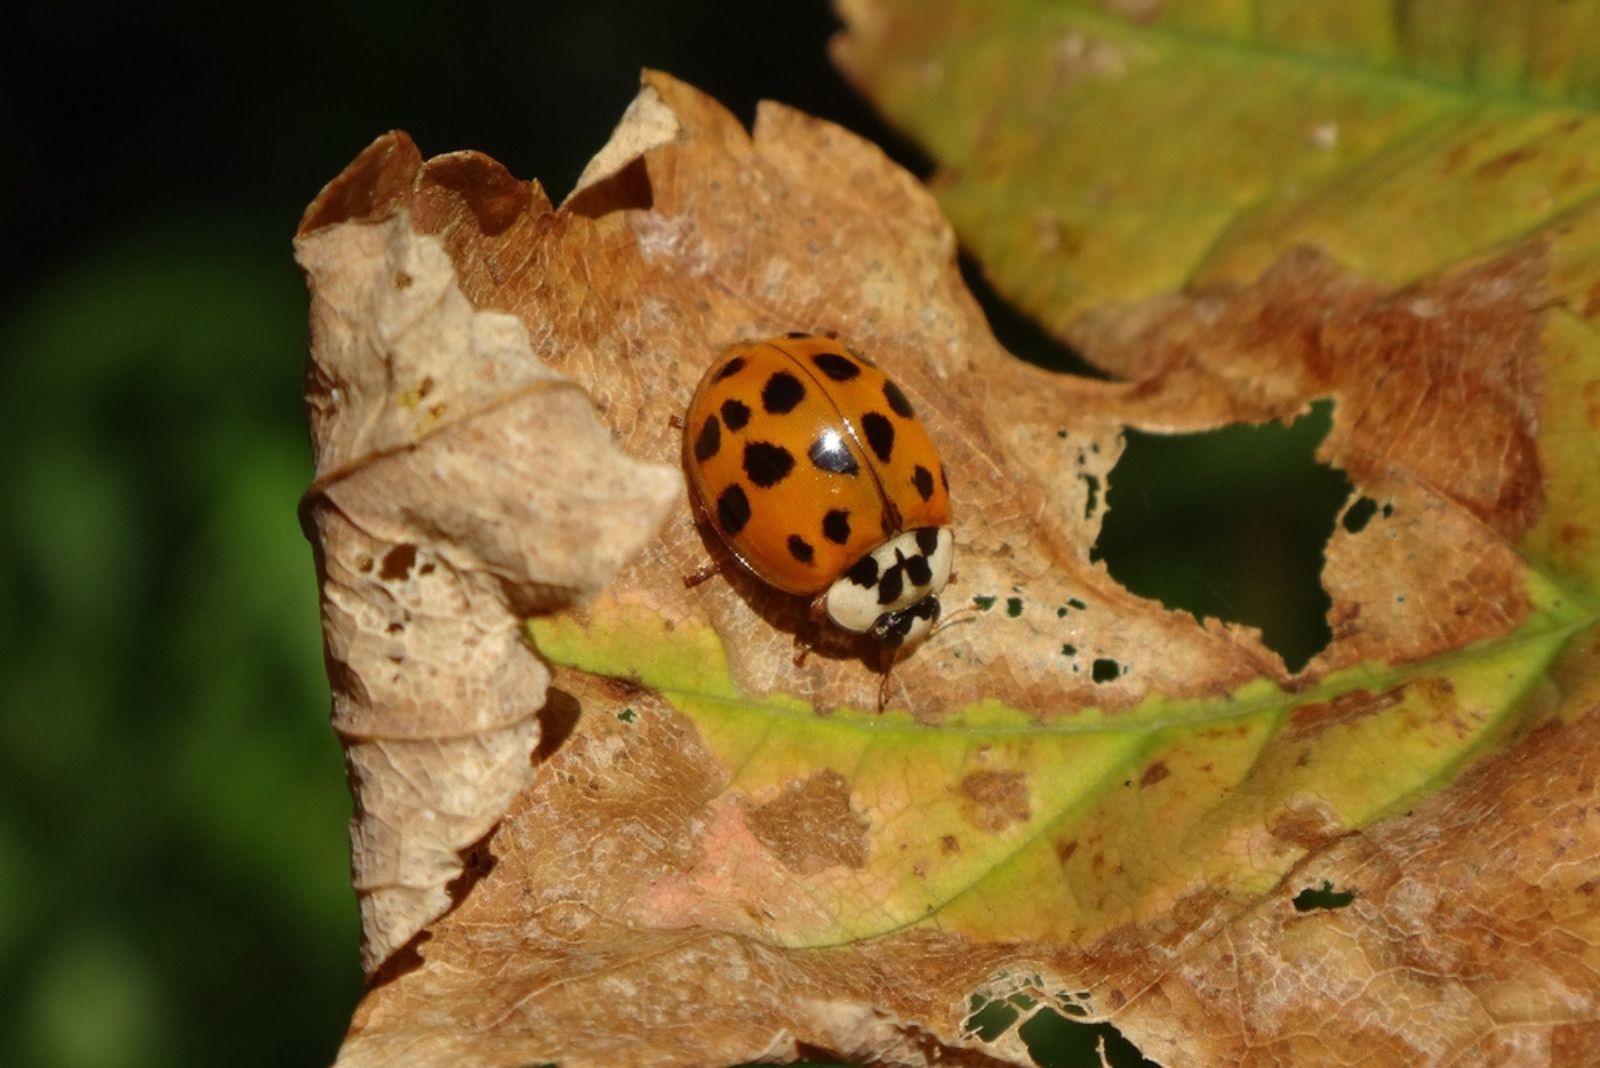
(721, 856)
(460, 485)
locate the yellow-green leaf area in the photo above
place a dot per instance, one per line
(1001, 825)
(1566, 539)
(1091, 158)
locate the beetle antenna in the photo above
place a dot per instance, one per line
(960, 615)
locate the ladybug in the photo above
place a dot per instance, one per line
(813, 467)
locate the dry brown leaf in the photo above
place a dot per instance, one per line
(460, 485)
(714, 859)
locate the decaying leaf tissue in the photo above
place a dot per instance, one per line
(605, 819)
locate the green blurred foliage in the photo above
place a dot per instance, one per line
(173, 866)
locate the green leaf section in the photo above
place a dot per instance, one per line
(1095, 158)
(1001, 826)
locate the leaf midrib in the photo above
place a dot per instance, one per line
(1257, 50)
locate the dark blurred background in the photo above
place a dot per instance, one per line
(173, 866)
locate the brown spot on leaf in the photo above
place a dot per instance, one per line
(949, 844)
(1494, 168)
(810, 826)
(1154, 773)
(994, 800)
(397, 563)
(1305, 822)
(1591, 305)
(1349, 707)
(1065, 849)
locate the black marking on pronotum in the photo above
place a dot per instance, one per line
(891, 585)
(782, 393)
(709, 440)
(880, 434)
(801, 549)
(927, 540)
(837, 367)
(918, 571)
(830, 453)
(864, 572)
(897, 400)
(729, 369)
(735, 413)
(922, 478)
(836, 526)
(733, 510)
(767, 464)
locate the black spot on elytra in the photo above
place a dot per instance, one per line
(729, 369)
(709, 440)
(891, 585)
(767, 464)
(735, 413)
(922, 478)
(864, 572)
(880, 434)
(897, 400)
(927, 540)
(830, 453)
(918, 571)
(781, 393)
(837, 367)
(836, 526)
(800, 549)
(733, 510)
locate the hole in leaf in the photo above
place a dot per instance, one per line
(1323, 897)
(1106, 669)
(1359, 514)
(1054, 1041)
(1231, 524)
(988, 1020)
(1021, 336)
(1013, 607)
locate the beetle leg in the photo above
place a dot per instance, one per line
(699, 575)
(886, 659)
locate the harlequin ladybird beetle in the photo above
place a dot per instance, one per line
(811, 465)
